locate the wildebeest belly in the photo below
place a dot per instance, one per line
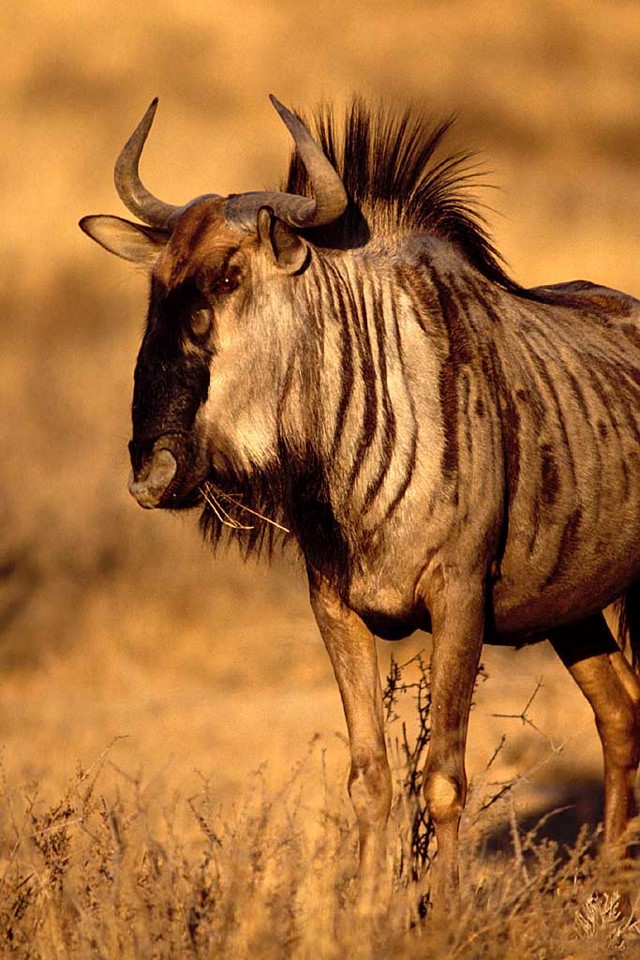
(572, 519)
(576, 568)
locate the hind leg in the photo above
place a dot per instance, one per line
(595, 662)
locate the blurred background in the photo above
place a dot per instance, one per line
(117, 623)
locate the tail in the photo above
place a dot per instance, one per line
(629, 624)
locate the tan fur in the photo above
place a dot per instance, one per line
(201, 238)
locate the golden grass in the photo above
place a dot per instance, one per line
(113, 872)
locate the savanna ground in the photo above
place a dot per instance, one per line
(173, 753)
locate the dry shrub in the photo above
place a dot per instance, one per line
(104, 874)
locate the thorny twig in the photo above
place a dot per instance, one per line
(522, 716)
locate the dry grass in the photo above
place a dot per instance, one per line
(117, 628)
(104, 873)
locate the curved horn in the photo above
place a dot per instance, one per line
(328, 188)
(131, 191)
(330, 196)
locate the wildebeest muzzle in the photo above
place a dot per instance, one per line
(162, 471)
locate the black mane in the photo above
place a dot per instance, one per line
(386, 162)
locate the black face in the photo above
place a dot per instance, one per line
(171, 382)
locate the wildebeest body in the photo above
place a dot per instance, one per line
(449, 450)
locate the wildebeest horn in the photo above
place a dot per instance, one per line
(329, 195)
(131, 191)
(328, 189)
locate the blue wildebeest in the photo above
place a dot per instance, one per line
(449, 450)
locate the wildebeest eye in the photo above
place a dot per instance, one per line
(227, 282)
(200, 321)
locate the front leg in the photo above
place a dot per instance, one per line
(352, 650)
(457, 611)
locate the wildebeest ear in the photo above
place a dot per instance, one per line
(131, 241)
(289, 251)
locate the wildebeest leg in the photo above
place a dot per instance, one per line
(352, 651)
(595, 662)
(457, 616)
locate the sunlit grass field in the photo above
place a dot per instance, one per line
(172, 744)
(117, 865)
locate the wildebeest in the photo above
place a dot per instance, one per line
(450, 451)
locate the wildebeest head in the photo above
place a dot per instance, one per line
(216, 265)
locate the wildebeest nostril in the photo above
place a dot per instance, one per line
(142, 450)
(150, 484)
(137, 452)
